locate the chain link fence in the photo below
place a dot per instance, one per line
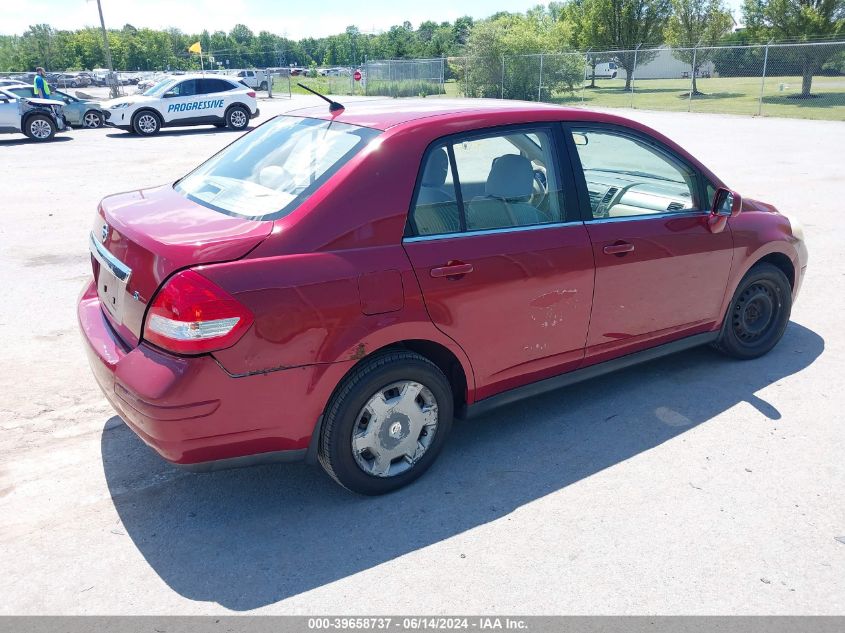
(404, 77)
(788, 80)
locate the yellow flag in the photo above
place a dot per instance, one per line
(195, 48)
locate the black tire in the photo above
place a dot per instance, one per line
(146, 123)
(263, 86)
(758, 313)
(345, 413)
(237, 118)
(92, 119)
(39, 127)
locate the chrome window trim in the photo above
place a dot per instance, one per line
(506, 229)
(101, 254)
(649, 216)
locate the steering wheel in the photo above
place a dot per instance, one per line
(540, 188)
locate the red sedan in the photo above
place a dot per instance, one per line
(339, 285)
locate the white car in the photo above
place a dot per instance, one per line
(184, 100)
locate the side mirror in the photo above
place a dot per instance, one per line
(726, 203)
(169, 94)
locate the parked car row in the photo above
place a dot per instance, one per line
(184, 100)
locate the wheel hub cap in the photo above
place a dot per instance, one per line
(394, 429)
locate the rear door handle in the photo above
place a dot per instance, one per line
(452, 269)
(620, 248)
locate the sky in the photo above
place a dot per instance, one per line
(295, 19)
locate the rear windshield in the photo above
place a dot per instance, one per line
(267, 173)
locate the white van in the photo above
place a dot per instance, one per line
(606, 70)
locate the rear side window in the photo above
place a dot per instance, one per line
(495, 181)
(208, 86)
(269, 172)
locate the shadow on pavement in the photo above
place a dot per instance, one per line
(59, 138)
(181, 131)
(251, 537)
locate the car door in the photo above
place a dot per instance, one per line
(505, 269)
(10, 113)
(214, 98)
(179, 102)
(661, 272)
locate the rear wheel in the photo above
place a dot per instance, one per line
(387, 423)
(263, 86)
(237, 118)
(146, 123)
(758, 314)
(92, 119)
(40, 127)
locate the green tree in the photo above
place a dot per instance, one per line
(589, 32)
(634, 23)
(697, 23)
(518, 39)
(799, 20)
(625, 25)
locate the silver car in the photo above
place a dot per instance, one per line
(39, 119)
(78, 112)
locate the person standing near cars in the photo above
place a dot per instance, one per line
(39, 85)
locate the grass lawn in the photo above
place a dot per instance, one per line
(729, 95)
(341, 85)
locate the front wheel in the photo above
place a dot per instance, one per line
(40, 127)
(263, 86)
(92, 119)
(146, 123)
(237, 118)
(758, 313)
(387, 423)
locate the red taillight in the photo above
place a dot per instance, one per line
(192, 315)
(250, 94)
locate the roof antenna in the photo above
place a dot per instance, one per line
(334, 106)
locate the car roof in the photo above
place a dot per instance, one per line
(201, 76)
(383, 114)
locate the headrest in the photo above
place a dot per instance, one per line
(436, 169)
(511, 176)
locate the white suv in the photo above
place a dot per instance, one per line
(184, 100)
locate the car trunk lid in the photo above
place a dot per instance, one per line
(142, 237)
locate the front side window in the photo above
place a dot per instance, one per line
(628, 177)
(187, 88)
(267, 173)
(160, 88)
(505, 180)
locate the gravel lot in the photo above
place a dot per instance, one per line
(692, 484)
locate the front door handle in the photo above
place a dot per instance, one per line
(452, 269)
(619, 248)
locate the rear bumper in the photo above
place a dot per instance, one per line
(190, 410)
(255, 114)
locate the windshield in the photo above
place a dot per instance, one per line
(267, 173)
(160, 88)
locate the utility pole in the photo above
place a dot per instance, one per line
(112, 78)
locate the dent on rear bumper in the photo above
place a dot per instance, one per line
(189, 409)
